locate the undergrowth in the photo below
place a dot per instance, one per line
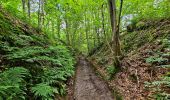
(143, 32)
(45, 66)
(111, 70)
(162, 59)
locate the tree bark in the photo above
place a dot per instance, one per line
(103, 24)
(58, 23)
(67, 32)
(29, 9)
(39, 15)
(23, 6)
(115, 30)
(58, 28)
(86, 31)
(42, 12)
(120, 12)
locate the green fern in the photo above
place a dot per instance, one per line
(49, 64)
(161, 94)
(166, 43)
(163, 60)
(12, 83)
(44, 91)
(156, 59)
(57, 77)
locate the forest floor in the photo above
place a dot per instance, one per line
(133, 81)
(88, 86)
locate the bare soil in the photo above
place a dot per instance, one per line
(88, 86)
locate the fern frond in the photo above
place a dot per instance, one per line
(12, 83)
(44, 91)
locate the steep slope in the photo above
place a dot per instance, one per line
(31, 67)
(144, 57)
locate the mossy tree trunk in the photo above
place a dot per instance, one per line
(115, 24)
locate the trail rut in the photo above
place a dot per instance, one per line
(88, 86)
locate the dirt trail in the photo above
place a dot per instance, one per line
(88, 86)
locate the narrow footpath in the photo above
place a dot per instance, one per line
(88, 86)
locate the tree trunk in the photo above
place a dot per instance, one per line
(42, 12)
(67, 32)
(58, 23)
(29, 9)
(115, 31)
(120, 12)
(39, 15)
(86, 31)
(103, 24)
(58, 28)
(23, 6)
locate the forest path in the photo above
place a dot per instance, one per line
(88, 86)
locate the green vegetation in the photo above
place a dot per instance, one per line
(39, 38)
(160, 86)
(111, 70)
(45, 66)
(13, 84)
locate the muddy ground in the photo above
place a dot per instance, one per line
(88, 86)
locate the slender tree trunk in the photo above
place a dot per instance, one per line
(42, 12)
(115, 30)
(67, 32)
(120, 12)
(103, 21)
(98, 27)
(67, 26)
(58, 23)
(23, 6)
(29, 9)
(75, 27)
(39, 15)
(80, 38)
(112, 9)
(86, 30)
(58, 28)
(97, 35)
(104, 28)
(94, 29)
(116, 37)
(117, 33)
(52, 27)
